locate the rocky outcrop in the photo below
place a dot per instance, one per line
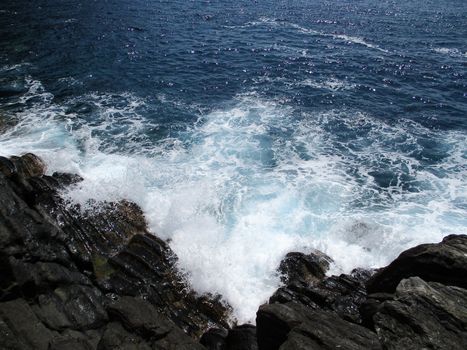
(75, 278)
(95, 278)
(308, 286)
(422, 315)
(310, 310)
(445, 262)
(407, 309)
(307, 268)
(295, 326)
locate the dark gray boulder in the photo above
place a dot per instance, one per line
(444, 262)
(214, 338)
(305, 268)
(241, 337)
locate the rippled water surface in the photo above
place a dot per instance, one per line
(248, 129)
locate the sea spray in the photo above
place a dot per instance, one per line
(256, 179)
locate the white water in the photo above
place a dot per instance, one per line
(451, 52)
(266, 21)
(252, 181)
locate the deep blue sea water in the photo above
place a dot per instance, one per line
(247, 129)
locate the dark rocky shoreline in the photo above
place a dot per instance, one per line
(77, 279)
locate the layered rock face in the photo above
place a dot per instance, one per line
(76, 279)
(97, 279)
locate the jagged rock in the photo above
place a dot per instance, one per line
(66, 179)
(444, 262)
(304, 267)
(22, 167)
(146, 267)
(370, 306)
(343, 294)
(177, 340)
(295, 326)
(423, 315)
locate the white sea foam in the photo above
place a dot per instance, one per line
(70, 81)
(450, 51)
(7, 68)
(342, 37)
(356, 40)
(253, 180)
(329, 84)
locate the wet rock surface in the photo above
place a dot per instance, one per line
(342, 294)
(444, 262)
(295, 326)
(76, 278)
(407, 308)
(299, 267)
(88, 279)
(423, 315)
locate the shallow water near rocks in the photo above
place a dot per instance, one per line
(248, 130)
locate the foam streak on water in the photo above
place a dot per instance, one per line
(265, 21)
(255, 179)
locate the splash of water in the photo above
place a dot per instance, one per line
(254, 180)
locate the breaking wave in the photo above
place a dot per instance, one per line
(254, 179)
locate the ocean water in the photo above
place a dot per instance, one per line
(249, 129)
